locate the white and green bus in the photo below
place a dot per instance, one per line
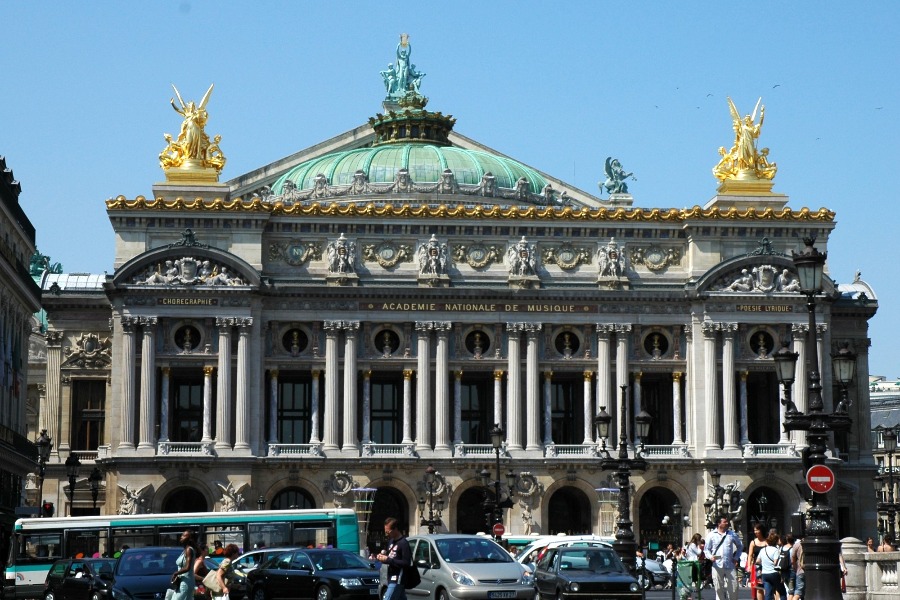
(38, 543)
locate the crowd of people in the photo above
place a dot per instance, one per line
(193, 578)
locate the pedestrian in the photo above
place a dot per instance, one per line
(887, 543)
(799, 576)
(200, 571)
(790, 576)
(223, 573)
(757, 592)
(723, 548)
(769, 559)
(183, 578)
(398, 558)
(870, 545)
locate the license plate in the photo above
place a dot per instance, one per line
(373, 592)
(499, 595)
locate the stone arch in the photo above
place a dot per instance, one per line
(588, 491)
(302, 483)
(125, 274)
(731, 268)
(388, 501)
(185, 499)
(471, 516)
(570, 511)
(773, 511)
(655, 503)
(292, 497)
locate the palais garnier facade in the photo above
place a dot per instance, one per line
(319, 331)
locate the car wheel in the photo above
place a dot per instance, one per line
(49, 596)
(258, 593)
(442, 595)
(323, 592)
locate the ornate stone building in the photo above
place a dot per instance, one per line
(350, 314)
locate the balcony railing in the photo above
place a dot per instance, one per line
(85, 455)
(298, 450)
(389, 450)
(786, 450)
(570, 450)
(667, 450)
(186, 449)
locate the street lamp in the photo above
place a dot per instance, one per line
(435, 505)
(889, 508)
(820, 545)
(494, 507)
(716, 501)
(261, 503)
(72, 466)
(624, 545)
(94, 480)
(44, 445)
(844, 363)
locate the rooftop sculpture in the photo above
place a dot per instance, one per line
(744, 161)
(403, 78)
(192, 155)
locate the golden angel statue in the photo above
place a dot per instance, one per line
(743, 160)
(192, 149)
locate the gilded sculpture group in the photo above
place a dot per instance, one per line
(192, 148)
(743, 160)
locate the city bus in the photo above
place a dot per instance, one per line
(37, 543)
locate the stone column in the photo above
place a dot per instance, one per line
(637, 399)
(224, 406)
(54, 376)
(126, 441)
(548, 410)
(689, 399)
(711, 387)
(273, 406)
(604, 382)
(532, 390)
(351, 440)
(588, 410)
(729, 417)
(457, 407)
(314, 437)
(800, 394)
(745, 432)
(242, 405)
(331, 426)
(423, 386)
(367, 407)
(442, 388)
(622, 332)
(148, 385)
(676, 408)
(207, 403)
(407, 406)
(164, 403)
(514, 386)
(498, 396)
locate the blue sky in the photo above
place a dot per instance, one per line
(559, 86)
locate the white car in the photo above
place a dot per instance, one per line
(529, 555)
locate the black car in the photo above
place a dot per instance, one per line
(572, 573)
(653, 574)
(144, 573)
(323, 574)
(79, 579)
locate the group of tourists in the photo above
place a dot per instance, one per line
(194, 579)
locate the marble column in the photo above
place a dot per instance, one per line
(54, 392)
(547, 411)
(711, 387)
(826, 376)
(273, 406)
(729, 418)
(423, 386)
(367, 407)
(800, 394)
(514, 386)
(207, 403)
(689, 397)
(604, 382)
(498, 396)
(148, 384)
(622, 333)
(442, 388)
(677, 418)
(745, 432)
(242, 404)
(126, 441)
(332, 425)
(314, 436)
(407, 406)
(637, 398)
(457, 408)
(224, 405)
(588, 409)
(532, 389)
(351, 440)
(164, 403)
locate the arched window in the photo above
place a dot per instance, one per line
(292, 498)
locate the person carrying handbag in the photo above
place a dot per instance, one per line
(769, 558)
(398, 559)
(216, 582)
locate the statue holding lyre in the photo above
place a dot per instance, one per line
(744, 161)
(192, 150)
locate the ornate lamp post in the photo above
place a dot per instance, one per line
(44, 445)
(821, 546)
(715, 503)
(494, 507)
(72, 466)
(261, 503)
(435, 505)
(888, 508)
(94, 480)
(624, 545)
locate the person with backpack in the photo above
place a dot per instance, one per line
(398, 558)
(769, 559)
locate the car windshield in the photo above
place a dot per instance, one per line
(104, 565)
(337, 560)
(465, 550)
(597, 560)
(143, 563)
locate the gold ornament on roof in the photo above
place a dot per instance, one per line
(743, 162)
(192, 156)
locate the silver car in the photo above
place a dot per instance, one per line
(467, 567)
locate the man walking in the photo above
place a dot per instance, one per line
(724, 549)
(398, 559)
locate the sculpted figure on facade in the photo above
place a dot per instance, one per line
(192, 147)
(433, 257)
(187, 271)
(615, 177)
(341, 255)
(232, 499)
(611, 260)
(744, 160)
(403, 78)
(131, 500)
(764, 279)
(521, 259)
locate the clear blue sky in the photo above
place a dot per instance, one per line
(557, 85)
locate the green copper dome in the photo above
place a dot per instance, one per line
(425, 163)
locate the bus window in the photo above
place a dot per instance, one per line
(227, 534)
(314, 535)
(169, 536)
(133, 537)
(269, 535)
(40, 547)
(87, 543)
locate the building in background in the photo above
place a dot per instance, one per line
(348, 315)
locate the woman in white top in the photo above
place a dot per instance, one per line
(768, 558)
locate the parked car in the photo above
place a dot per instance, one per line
(144, 573)
(323, 574)
(464, 567)
(243, 564)
(655, 574)
(79, 579)
(572, 572)
(531, 553)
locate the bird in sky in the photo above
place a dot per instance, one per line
(708, 95)
(776, 85)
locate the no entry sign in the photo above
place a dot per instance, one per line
(820, 479)
(498, 529)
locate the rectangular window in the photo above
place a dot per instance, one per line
(294, 411)
(187, 413)
(476, 418)
(387, 411)
(565, 412)
(88, 414)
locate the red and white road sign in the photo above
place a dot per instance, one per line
(820, 479)
(498, 529)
